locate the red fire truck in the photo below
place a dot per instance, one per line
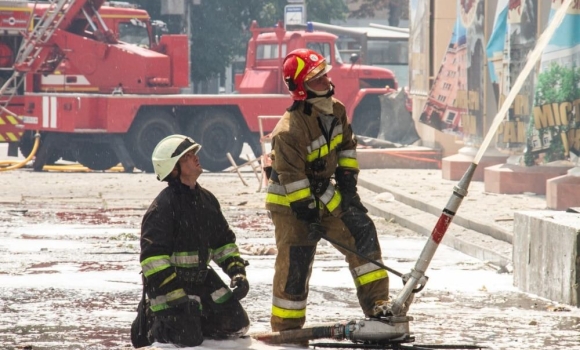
(101, 88)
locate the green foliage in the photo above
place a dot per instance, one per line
(316, 10)
(214, 38)
(326, 10)
(528, 156)
(396, 9)
(556, 84)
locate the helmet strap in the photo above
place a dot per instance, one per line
(178, 167)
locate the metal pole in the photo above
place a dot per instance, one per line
(325, 236)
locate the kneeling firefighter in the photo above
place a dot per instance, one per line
(312, 193)
(182, 232)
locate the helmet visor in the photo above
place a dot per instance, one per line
(186, 145)
(318, 71)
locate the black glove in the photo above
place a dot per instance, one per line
(305, 210)
(241, 285)
(347, 180)
(351, 198)
(316, 231)
(235, 266)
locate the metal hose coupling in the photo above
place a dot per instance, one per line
(378, 330)
(374, 330)
(338, 331)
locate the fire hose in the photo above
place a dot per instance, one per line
(10, 165)
(6, 165)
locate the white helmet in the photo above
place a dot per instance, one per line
(168, 151)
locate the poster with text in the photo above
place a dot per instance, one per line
(455, 102)
(553, 132)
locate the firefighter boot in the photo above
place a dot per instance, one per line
(382, 308)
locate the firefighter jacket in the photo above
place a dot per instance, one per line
(182, 231)
(307, 149)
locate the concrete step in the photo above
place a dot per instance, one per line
(424, 203)
(467, 241)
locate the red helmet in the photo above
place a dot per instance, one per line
(300, 66)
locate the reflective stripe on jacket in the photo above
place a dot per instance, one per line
(298, 144)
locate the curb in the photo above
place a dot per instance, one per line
(465, 240)
(414, 202)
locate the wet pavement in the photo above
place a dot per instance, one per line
(69, 244)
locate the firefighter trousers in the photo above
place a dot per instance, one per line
(353, 229)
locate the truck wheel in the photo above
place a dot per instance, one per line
(147, 130)
(218, 133)
(97, 156)
(27, 143)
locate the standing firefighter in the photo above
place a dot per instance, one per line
(182, 231)
(313, 192)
